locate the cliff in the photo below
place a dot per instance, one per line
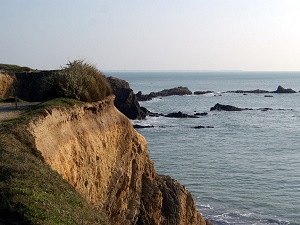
(6, 81)
(95, 148)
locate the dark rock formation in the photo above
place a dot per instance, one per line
(166, 194)
(268, 96)
(126, 101)
(202, 92)
(265, 109)
(142, 97)
(164, 93)
(201, 114)
(280, 89)
(151, 114)
(172, 91)
(257, 91)
(201, 127)
(141, 126)
(219, 107)
(180, 115)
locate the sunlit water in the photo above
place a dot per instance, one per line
(245, 170)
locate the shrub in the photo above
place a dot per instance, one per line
(78, 80)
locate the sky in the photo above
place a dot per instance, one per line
(250, 35)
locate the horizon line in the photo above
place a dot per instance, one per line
(161, 71)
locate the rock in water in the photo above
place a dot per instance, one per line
(220, 107)
(202, 92)
(201, 114)
(164, 93)
(201, 127)
(126, 101)
(137, 126)
(280, 89)
(180, 115)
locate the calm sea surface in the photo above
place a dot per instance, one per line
(245, 170)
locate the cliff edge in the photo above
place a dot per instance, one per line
(95, 148)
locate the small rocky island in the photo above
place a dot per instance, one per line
(164, 93)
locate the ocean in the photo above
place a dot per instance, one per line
(244, 170)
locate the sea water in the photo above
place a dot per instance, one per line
(245, 170)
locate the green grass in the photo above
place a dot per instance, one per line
(56, 103)
(30, 191)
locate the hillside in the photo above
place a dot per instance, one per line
(31, 192)
(14, 68)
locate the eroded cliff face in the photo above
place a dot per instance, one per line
(95, 148)
(6, 81)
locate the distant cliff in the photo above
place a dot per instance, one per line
(95, 148)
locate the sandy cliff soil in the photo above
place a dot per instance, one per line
(6, 81)
(95, 148)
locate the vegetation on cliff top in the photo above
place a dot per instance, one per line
(14, 68)
(30, 191)
(78, 80)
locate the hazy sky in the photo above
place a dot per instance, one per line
(152, 35)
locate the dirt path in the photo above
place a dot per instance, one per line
(9, 111)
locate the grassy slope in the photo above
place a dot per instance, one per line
(30, 191)
(14, 68)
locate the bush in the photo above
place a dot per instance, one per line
(78, 80)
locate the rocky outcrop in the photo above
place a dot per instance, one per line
(202, 92)
(6, 84)
(180, 115)
(256, 91)
(201, 127)
(126, 101)
(220, 107)
(164, 93)
(141, 97)
(281, 90)
(172, 91)
(96, 149)
(151, 114)
(201, 114)
(138, 126)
